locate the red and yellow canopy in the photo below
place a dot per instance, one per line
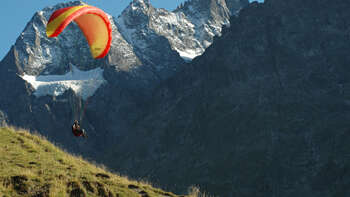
(93, 22)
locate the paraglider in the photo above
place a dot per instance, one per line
(95, 26)
(92, 21)
(77, 130)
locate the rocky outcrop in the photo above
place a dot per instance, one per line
(3, 119)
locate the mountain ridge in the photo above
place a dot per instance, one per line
(263, 112)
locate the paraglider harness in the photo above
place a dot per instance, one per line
(78, 110)
(77, 130)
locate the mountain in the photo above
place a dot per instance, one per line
(47, 83)
(45, 170)
(263, 112)
(189, 29)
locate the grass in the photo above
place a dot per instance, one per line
(194, 191)
(32, 166)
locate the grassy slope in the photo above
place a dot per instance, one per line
(32, 166)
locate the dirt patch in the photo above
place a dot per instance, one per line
(20, 165)
(131, 186)
(19, 184)
(101, 175)
(138, 190)
(20, 140)
(60, 161)
(143, 194)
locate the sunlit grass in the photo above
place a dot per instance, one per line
(31, 165)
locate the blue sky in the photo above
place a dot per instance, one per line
(14, 14)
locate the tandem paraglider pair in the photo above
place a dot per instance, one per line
(95, 26)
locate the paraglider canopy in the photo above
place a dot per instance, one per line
(93, 22)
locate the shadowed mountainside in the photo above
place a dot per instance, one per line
(263, 112)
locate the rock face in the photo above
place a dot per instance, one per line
(189, 29)
(263, 112)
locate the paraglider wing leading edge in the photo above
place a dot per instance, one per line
(93, 22)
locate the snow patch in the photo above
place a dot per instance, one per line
(188, 54)
(83, 83)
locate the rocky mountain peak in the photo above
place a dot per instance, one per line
(143, 4)
(37, 54)
(137, 13)
(189, 29)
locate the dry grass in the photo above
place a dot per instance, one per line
(30, 165)
(194, 191)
